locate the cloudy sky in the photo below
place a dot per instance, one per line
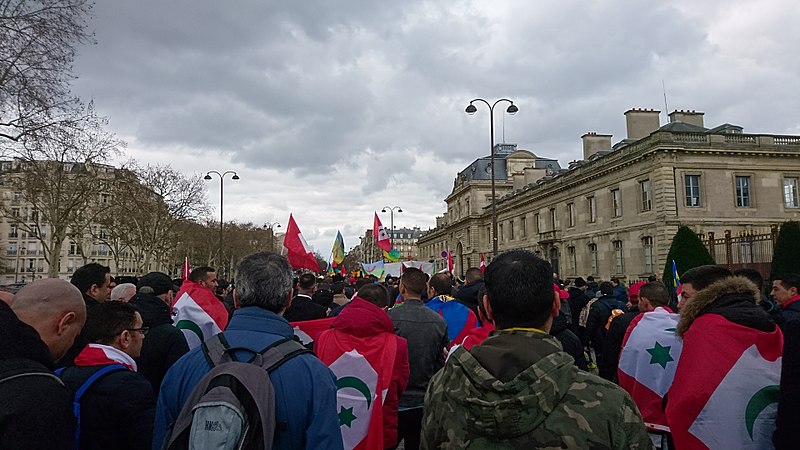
(333, 109)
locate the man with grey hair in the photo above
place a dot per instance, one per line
(36, 411)
(123, 292)
(305, 389)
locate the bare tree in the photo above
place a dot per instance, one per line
(58, 179)
(38, 41)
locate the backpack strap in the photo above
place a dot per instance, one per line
(278, 353)
(216, 350)
(76, 401)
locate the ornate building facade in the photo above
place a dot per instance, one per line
(614, 212)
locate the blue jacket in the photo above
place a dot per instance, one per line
(305, 389)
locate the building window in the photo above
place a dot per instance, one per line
(692, 183)
(500, 234)
(743, 199)
(12, 231)
(536, 223)
(511, 230)
(573, 263)
(647, 195)
(618, 267)
(647, 246)
(552, 218)
(523, 226)
(571, 214)
(790, 199)
(616, 202)
(592, 209)
(593, 258)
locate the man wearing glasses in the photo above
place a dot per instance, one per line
(117, 409)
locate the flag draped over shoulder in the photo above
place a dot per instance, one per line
(363, 369)
(647, 362)
(198, 313)
(381, 236)
(726, 386)
(338, 250)
(299, 254)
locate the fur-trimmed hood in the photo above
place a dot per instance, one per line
(742, 289)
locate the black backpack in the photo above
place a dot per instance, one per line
(233, 405)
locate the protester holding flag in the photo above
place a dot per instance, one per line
(371, 366)
(649, 355)
(197, 310)
(726, 384)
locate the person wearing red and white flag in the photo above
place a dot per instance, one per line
(197, 311)
(371, 366)
(649, 355)
(725, 391)
(298, 252)
(381, 235)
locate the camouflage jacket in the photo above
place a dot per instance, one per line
(545, 402)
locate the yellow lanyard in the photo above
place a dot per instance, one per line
(534, 330)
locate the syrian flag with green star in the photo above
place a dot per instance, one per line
(647, 362)
(363, 369)
(725, 392)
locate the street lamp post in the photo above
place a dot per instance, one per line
(391, 216)
(221, 187)
(269, 226)
(512, 109)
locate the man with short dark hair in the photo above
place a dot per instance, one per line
(94, 281)
(426, 333)
(36, 408)
(117, 410)
(699, 278)
(164, 344)
(305, 390)
(363, 332)
(197, 311)
(460, 319)
(469, 293)
(303, 305)
(518, 389)
(786, 292)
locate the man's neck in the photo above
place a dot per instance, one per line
(305, 293)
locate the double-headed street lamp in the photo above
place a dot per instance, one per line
(221, 198)
(512, 109)
(391, 216)
(270, 226)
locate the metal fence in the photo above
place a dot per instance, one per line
(747, 249)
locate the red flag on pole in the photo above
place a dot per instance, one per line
(483, 264)
(186, 269)
(450, 265)
(381, 236)
(298, 253)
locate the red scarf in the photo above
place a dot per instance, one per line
(101, 355)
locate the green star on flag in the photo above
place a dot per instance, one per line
(660, 355)
(346, 416)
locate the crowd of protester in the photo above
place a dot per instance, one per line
(509, 357)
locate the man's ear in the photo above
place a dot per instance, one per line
(487, 308)
(236, 304)
(66, 321)
(124, 340)
(556, 305)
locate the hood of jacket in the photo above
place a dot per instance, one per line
(735, 298)
(153, 310)
(362, 318)
(515, 407)
(20, 340)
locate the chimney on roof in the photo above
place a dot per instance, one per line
(641, 122)
(593, 143)
(691, 117)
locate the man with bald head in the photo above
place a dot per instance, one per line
(36, 411)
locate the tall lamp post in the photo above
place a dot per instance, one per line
(270, 226)
(221, 187)
(511, 110)
(391, 216)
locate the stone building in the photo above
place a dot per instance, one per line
(614, 212)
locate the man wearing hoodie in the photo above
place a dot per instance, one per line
(164, 344)
(365, 328)
(521, 381)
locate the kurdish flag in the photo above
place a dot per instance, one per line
(647, 362)
(198, 313)
(725, 391)
(363, 369)
(338, 249)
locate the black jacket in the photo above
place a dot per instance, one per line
(789, 397)
(304, 308)
(117, 412)
(163, 345)
(468, 294)
(599, 313)
(80, 342)
(36, 410)
(569, 341)
(612, 345)
(577, 300)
